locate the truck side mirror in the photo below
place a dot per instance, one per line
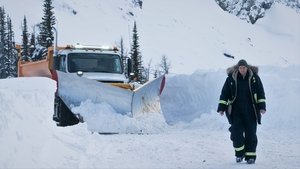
(129, 67)
(56, 62)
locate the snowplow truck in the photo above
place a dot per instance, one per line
(93, 73)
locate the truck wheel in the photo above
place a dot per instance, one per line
(62, 114)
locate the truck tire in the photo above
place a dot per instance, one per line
(62, 114)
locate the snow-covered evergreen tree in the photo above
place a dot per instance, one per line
(46, 36)
(25, 42)
(136, 56)
(3, 43)
(32, 45)
(8, 54)
(12, 55)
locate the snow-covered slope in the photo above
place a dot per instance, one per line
(193, 35)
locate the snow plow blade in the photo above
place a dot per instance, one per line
(74, 90)
(31, 69)
(146, 99)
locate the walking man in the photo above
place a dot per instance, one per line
(243, 101)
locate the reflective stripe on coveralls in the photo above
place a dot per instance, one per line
(223, 102)
(239, 148)
(250, 153)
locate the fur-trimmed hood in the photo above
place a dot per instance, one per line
(234, 68)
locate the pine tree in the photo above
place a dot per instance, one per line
(8, 54)
(136, 56)
(2, 28)
(25, 43)
(48, 21)
(123, 55)
(122, 52)
(3, 51)
(31, 45)
(12, 55)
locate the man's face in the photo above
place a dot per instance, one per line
(243, 70)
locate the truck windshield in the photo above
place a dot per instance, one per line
(94, 62)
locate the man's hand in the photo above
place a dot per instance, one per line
(262, 111)
(221, 113)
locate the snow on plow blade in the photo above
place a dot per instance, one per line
(146, 99)
(74, 90)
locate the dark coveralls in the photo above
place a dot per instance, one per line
(241, 99)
